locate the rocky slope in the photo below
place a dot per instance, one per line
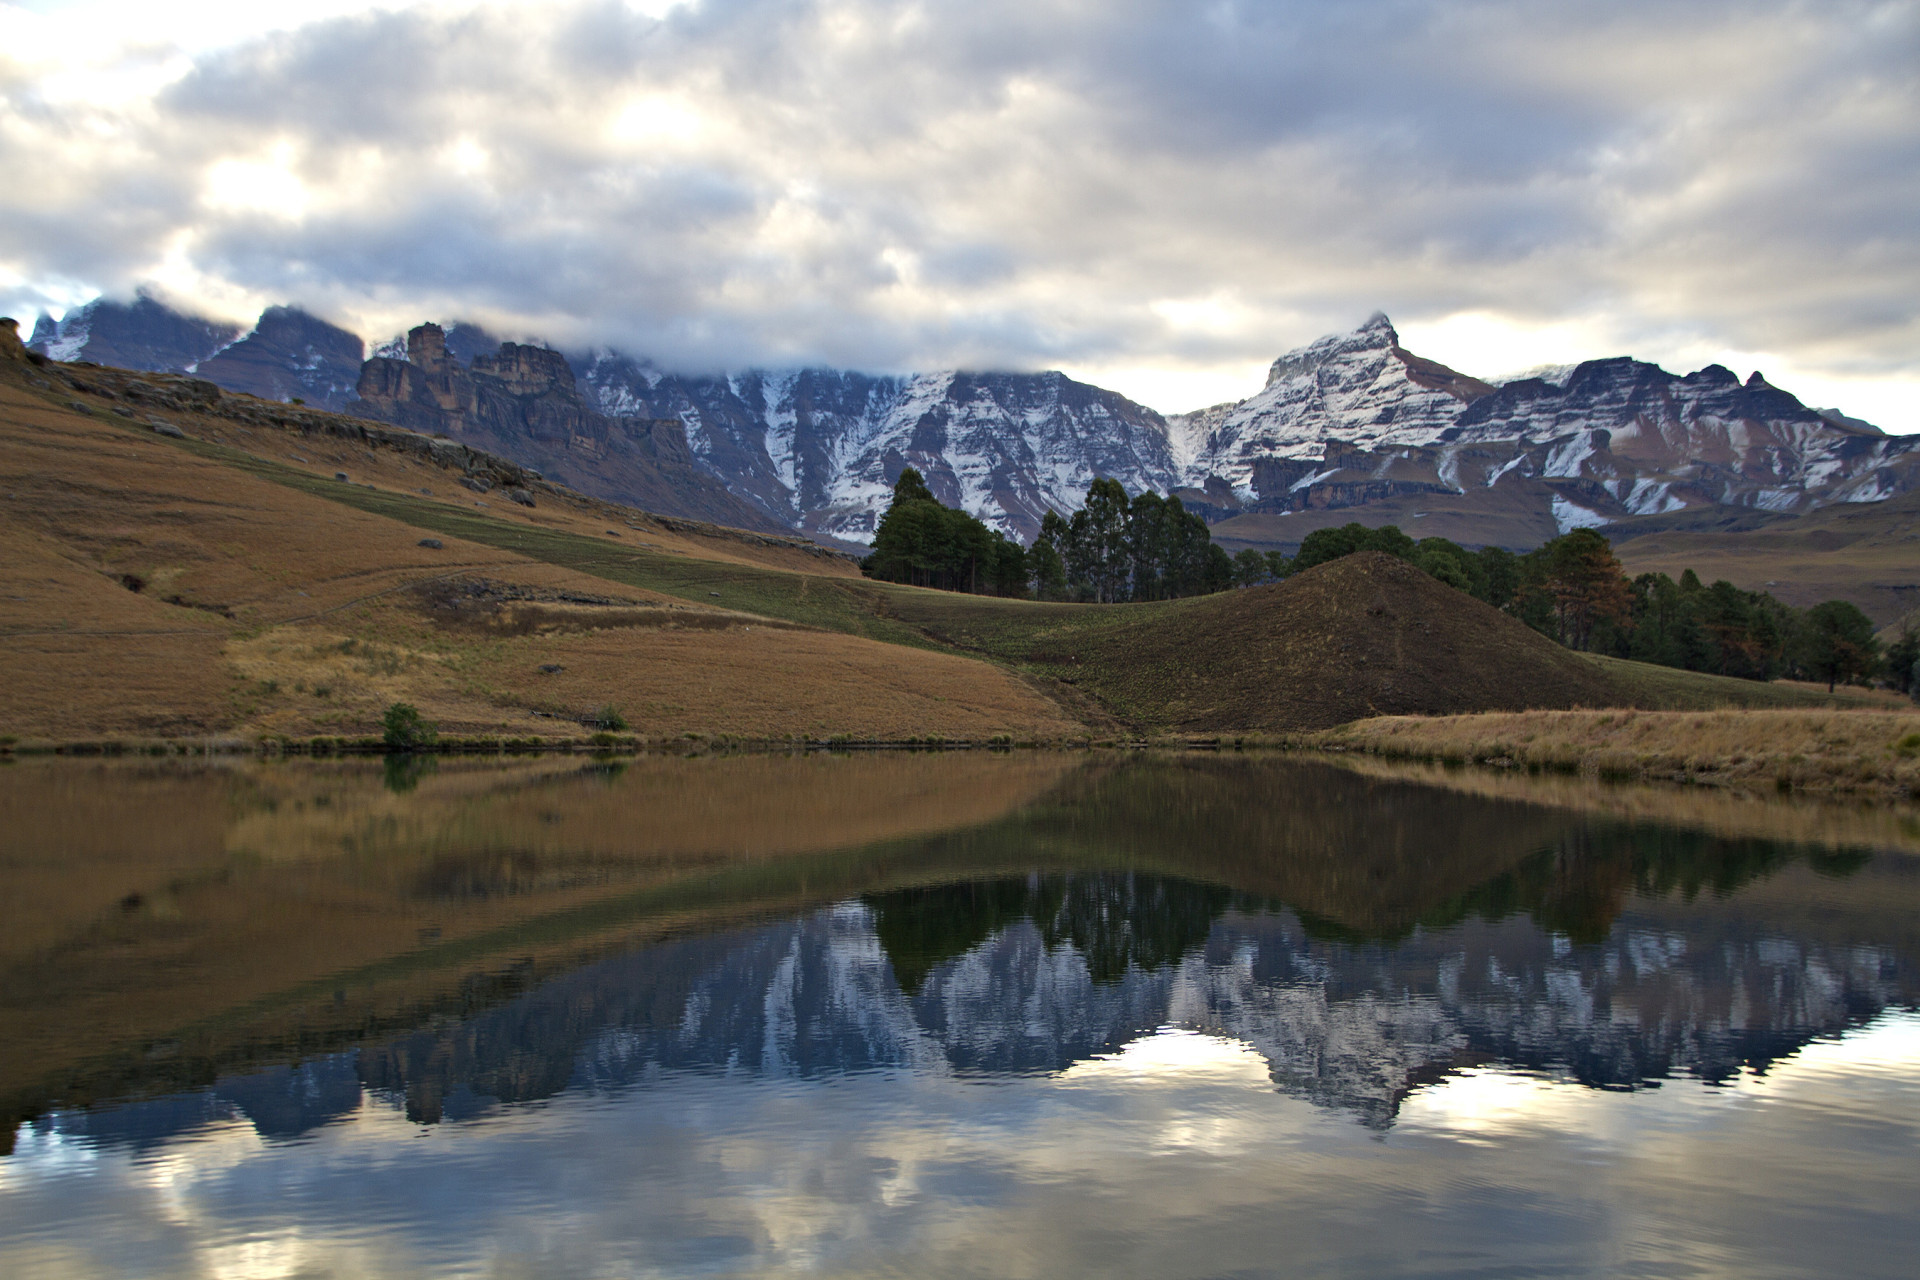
(290, 355)
(820, 448)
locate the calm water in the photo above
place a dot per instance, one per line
(1021, 1015)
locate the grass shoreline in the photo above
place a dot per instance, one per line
(1855, 753)
(597, 745)
(1852, 752)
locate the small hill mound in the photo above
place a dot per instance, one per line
(1364, 635)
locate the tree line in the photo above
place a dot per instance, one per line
(1117, 548)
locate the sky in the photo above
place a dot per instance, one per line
(1159, 196)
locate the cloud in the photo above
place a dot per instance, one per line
(1049, 182)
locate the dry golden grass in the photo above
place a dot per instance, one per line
(226, 586)
(151, 591)
(1866, 751)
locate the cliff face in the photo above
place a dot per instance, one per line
(522, 402)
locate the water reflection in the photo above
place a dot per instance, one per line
(805, 968)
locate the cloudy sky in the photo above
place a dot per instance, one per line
(1158, 195)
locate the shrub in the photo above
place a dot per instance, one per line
(608, 717)
(405, 730)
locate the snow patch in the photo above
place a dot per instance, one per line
(70, 338)
(1565, 458)
(1557, 374)
(1571, 515)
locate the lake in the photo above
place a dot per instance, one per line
(947, 1014)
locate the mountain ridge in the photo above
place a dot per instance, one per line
(1350, 426)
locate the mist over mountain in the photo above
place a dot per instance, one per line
(1352, 423)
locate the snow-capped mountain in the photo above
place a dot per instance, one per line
(1361, 388)
(523, 402)
(1356, 421)
(821, 448)
(290, 354)
(287, 354)
(1352, 423)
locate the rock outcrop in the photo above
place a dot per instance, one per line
(12, 350)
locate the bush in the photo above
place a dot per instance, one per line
(405, 730)
(609, 718)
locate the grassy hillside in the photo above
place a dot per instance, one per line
(216, 585)
(1868, 553)
(252, 569)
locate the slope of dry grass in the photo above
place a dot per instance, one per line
(1855, 751)
(151, 588)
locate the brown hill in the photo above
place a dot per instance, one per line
(1360, 636)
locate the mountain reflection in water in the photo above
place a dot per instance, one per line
(485, 938)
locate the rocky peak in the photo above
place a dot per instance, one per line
(1361, 387)
(427, 347)
(1376, 337)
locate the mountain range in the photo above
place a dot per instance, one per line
(1352, 426)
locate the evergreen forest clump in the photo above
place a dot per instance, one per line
(922, 542)
(1117, 548)
(1114, 548)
